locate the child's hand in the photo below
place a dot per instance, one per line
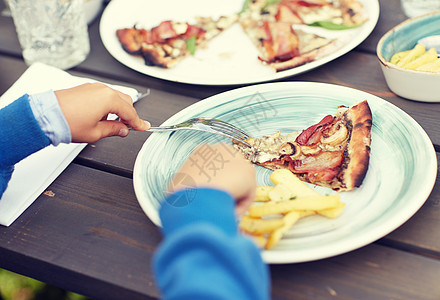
(228, 170)
(87, 106)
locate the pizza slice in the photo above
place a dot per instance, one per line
(331, 14)
(333, 153)
(169, 42)
(282, 47)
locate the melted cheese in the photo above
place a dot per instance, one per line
(325, 13)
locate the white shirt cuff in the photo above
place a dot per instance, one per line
(49, 116)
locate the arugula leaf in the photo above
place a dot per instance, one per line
(245, 6)
(332, 26)
(191, 45)
(270, 2)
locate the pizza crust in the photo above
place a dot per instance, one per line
(326, 47)
(338, 160)
(358, 148)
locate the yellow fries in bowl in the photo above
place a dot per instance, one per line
(417, 59)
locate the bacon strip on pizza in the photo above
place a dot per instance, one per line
(169, 42)
(282, 47)
(332, 153)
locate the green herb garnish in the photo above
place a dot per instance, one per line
(245, 6)
(292, 198)
(270, 2)
(332, 26)
(191, 45)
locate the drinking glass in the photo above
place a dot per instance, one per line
(53, 32)
(6, 12)
(413, 8)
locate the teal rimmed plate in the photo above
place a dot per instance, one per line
(401, 175)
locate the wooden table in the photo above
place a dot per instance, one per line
(93, 238)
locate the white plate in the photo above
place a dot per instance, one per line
(230, 58)
(401, 175)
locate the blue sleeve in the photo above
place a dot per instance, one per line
(20, 136)
(203, 256)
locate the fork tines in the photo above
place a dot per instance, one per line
(231, 131)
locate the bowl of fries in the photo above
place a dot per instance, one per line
(411, 68)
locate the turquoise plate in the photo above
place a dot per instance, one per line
(401, 175)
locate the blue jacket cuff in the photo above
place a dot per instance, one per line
(20, 133)
(202, 205)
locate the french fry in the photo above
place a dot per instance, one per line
(282, 176)
(259, 226)
(281, 206)
(431, 67)
(262, 194)
(332, 212)
(398, 56)
(289, 219)
(304, 203)
(426, 58)
(307, 213)
(259, 240)
(417, 51)
(281, 192)
(299, 188)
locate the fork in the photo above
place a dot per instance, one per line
(209, 125)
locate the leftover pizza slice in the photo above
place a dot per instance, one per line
(333, 153)
(331, 14)
(169, 42)
(282, 47)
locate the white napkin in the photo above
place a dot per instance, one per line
(36, 172)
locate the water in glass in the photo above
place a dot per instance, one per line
(413, 8)
(51, 31)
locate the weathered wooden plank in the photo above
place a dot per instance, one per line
(420, 234)
(372, 272)
(89, 227)
(10, 70)
(391, 14)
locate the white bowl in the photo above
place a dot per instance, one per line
(410, 84)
